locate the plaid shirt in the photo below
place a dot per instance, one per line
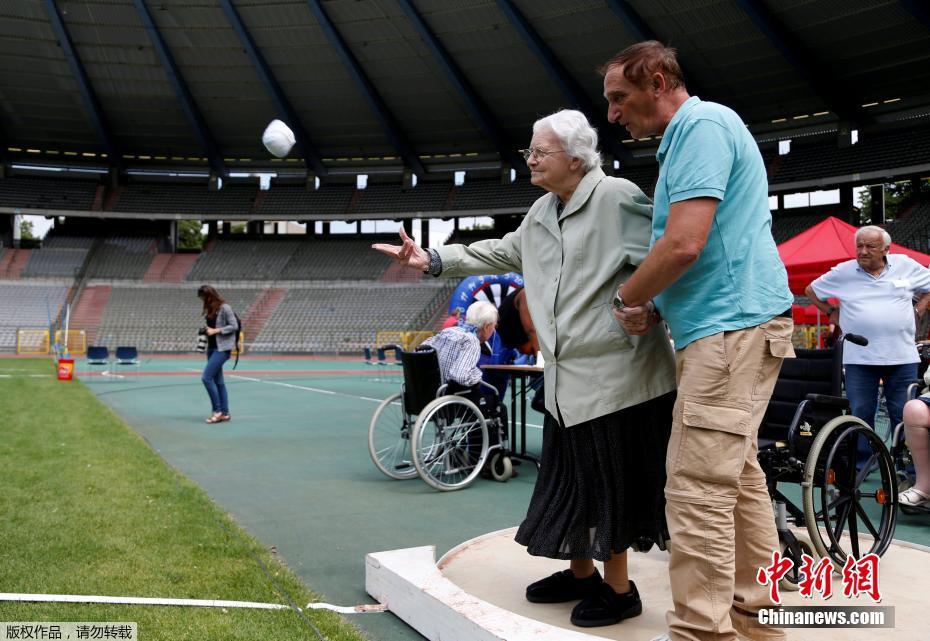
(458, 350)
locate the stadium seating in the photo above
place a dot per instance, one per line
(158, 317)
(63, 262)
(291, 258)
(193, 200)
(122, 257)
(490, 194)
(644, 176)
(788, 223)
(334, 317)
(913, 230)
(27, 305)
(40, 192)
(871, 153)
(337, 259)
(297, 199)
(244, 259)
(391, 199)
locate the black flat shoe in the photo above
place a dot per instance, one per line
(606, 607)
(563, 586)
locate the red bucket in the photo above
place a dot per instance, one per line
(65, 369)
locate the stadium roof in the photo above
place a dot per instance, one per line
(430, 85)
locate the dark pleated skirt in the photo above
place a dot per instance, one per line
(600, 489)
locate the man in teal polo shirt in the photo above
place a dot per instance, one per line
(714, 274)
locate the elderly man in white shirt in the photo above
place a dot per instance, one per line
(459, 347)
(876, 293)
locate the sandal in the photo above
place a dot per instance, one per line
(215, 418)
(225, 417)
(913, 498)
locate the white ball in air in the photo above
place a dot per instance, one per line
(278, 139)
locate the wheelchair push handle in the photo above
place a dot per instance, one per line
(856, 339)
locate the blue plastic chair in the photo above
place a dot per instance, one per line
(127, 355)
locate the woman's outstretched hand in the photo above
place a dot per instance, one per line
(409, 254)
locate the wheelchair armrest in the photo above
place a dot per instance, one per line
(487, 387)
(826, 399)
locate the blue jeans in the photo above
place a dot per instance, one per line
(862, 389)
(213, 380)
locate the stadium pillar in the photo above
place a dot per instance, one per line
(311, 227)
(424, 232)
(844, 131)
(6, 230)
(506, 223)
(227, 228)
(877, 194)
(211, 229)
(847, 205)
(505, 172)
(325, 229)
(408, 226)
(172, 236)
(408, 179)
(255, 228)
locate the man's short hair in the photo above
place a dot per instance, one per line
(577, 135)
(643, 59)
(886, 237)
(481, 313)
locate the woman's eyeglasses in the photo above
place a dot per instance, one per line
(538, 153)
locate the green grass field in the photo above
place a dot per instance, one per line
(88, 508)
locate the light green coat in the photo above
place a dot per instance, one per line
(592, 367)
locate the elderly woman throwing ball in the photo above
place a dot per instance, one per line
(609, 396)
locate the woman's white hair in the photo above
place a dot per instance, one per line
(578, 137)
(481, 313)
(886, 237)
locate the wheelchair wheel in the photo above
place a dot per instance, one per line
(791, 581)
(501, 467)
(450, 443)
(389, 439)
(841, 501)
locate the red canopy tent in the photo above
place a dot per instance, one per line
(828, 243)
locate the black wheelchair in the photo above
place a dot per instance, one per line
(848, 501)
(444, 437)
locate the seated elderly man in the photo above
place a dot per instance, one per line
(459, 348)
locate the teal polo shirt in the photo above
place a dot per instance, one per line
(739, 280)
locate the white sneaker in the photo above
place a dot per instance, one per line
(662, 637)
(913, 497)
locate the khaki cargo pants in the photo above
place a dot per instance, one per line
(718, 509)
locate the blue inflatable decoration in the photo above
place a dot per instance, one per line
(491, 288)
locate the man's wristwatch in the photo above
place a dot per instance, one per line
(618, 302)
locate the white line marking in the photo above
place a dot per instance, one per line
(300, 387)
(352, 609)
(201, 603)
(135, 600)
